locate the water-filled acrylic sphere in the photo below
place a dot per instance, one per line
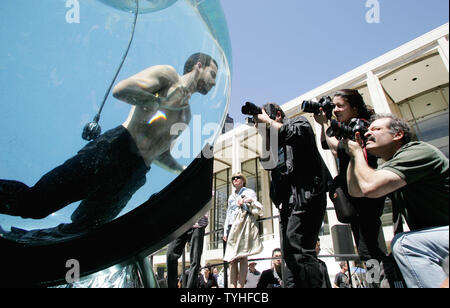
(57, 61)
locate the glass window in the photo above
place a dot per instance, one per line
(427, 113)
(386, 217)
(219, 210)
(325, 229)
(434, 131)
(252, 170)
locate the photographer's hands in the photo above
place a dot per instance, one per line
(322, 118)
(264, 118)
(353, 148)
(324, 122)
(362, 180)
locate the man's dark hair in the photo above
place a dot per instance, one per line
(272, 108)
(204, 59)
(208, 266)
(355, 99)
(275, 250)
(396, 125)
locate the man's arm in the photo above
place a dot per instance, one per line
(167, 162)
(140, 89)
(363, 181)
(328, 143)
(264, 118)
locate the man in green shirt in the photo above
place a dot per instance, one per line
(415, 175)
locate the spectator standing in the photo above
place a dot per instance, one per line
(342, 280)
(323, 267)
(273, 277)
(298, 188)
(365, 221)
(207, 279)
(253, 276)
(242, 230)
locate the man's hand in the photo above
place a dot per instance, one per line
(263, 118)
(362, 180)
(353, 147)
(321, 118)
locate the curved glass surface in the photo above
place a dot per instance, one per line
(55, 69)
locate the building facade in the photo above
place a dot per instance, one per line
(411, 81)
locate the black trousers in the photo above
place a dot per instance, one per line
(300, 230)
(104, 175)
(195, 236)
(366, 227)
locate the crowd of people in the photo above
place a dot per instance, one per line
(413, 174)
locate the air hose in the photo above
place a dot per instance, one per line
(92, 129)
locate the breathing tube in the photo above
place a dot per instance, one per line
(92, 129)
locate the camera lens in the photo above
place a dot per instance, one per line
(310, 107)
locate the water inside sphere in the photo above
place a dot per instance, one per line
(55, 71)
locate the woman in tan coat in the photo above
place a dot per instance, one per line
(241, 232)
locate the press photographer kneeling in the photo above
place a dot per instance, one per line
(363, 214)
(298, 188)
(415, 175)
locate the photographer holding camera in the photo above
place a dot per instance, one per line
(363, 214)
(298, 188)
(416, 177)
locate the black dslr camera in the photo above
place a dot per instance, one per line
(314, 107)
(253, 110)
(342, 131)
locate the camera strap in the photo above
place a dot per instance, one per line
(365, 155)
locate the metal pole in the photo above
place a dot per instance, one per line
(283, 264)
(145, 267)
(349, 274)
(225, 275)
(183, 268)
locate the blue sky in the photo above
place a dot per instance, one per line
(284, 48)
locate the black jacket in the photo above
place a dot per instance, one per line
(302, 175)
(268, 280)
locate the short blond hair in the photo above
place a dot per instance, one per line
(241, 175)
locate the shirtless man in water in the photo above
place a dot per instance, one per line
(160, 88)
(109, 170)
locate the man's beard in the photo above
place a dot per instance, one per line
(371, 138)
(202, 87)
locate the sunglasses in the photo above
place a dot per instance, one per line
(236, 178)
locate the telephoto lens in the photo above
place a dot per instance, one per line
(343, 131)
(326, 103)
(251, 109)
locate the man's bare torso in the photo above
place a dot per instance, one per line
(153, 137)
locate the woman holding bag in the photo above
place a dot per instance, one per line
(241, 232)
(363, 214)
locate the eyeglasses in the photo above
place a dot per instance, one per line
(236, 178)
